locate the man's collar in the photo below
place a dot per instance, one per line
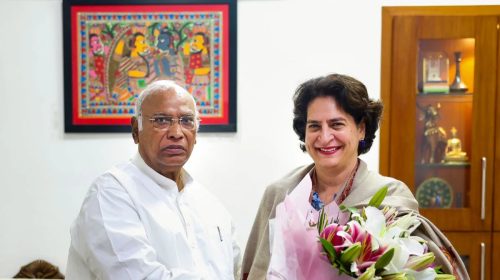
(161, 180)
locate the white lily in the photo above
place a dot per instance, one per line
(426, 274)
(375, 222)
(408, 223)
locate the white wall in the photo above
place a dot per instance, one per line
(44, 173)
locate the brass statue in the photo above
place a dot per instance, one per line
(454, 149)
(434, 137)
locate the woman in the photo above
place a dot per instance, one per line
(336, 122)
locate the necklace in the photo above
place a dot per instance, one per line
(316, 202)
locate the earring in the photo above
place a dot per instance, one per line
(362, 143)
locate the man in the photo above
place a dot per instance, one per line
(147, 218)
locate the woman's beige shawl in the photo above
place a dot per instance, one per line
(365, 185)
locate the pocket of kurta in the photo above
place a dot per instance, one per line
(221, 240)
(219, 237)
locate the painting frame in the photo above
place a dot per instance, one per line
(102, 77)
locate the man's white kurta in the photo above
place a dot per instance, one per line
(135, 224)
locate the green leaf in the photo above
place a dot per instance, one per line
(395, 276)
(351, 253)
(342, 269)
(369, 274)
(328, 247)
(445, 277)
(379, 196)
(385, 259)
(344, 208)
(421, 262)
(322, 221)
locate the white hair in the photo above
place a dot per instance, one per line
(157, 86)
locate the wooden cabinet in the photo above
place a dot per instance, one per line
(473, 248)
(496, 253)
(441, 138)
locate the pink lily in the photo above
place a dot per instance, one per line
(330, 233)
(368, 256)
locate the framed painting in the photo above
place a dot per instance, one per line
(114, 48)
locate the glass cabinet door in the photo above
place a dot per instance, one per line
(443, 88)
(444, 104)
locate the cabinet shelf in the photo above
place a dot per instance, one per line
(444, 165)
(422, 94)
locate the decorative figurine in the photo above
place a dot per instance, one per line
(458, 85)
(434, 137)
(435, 73)
(454, 149)
(434, 192)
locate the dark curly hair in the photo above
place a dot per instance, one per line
(350, 94)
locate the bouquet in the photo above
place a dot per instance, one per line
(377, 244)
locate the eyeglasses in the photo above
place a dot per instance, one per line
(164, 122)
